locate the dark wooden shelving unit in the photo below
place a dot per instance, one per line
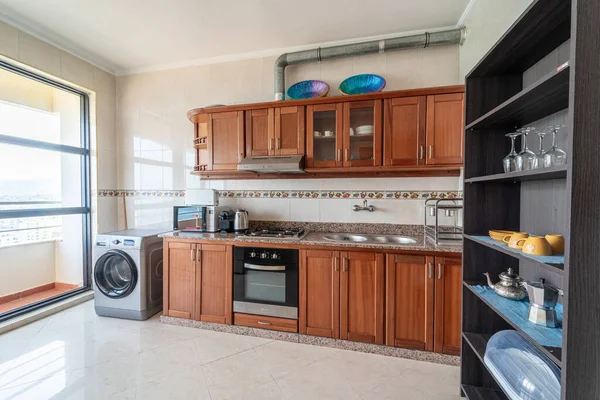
(560, 199)
(558, 172)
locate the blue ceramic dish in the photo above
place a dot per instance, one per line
(361, 84)
(308, 90)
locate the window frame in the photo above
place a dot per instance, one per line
(84, 210)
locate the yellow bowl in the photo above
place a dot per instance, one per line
(499, 235)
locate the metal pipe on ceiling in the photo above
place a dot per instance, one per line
(424, 40)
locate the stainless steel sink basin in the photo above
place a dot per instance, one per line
(378, 239)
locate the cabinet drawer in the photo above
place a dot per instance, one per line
(257, 321)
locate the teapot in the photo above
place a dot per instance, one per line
(510, 285)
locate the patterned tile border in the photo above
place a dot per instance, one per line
(292, 194)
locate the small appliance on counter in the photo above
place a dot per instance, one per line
(241, 221)
(226, 221)
(265, 282)
(542, 303)
(198, 218)
(443, 234)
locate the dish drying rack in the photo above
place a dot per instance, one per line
(443, 234)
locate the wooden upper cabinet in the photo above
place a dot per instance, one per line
(289, 131)
(404, 131)
(362, 297)
(445, 129)
(214, 283)
(260, 133)
(362, 150)
(324, 151)
(179, 279)
(448, 307)
(409, 301)
(319, 294)
(225, 140)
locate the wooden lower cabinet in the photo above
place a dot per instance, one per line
(198, 281)
(410, 301)
(448, 305)
(262, 322)
(319, 294)
(362, 297)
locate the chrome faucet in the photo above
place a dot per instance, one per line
(365, 207)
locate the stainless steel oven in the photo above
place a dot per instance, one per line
(265, 282)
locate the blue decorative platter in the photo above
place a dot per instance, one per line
(361, 84)
(308, 90)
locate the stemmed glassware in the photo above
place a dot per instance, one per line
(539, 157)
(555, 156)
(525, 160)
(509, 161)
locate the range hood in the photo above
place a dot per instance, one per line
(273, 165)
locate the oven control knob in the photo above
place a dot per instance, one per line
(264, 255)
(252, 254)
(275, 256)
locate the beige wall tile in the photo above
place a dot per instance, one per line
(75, 69)
(440, 66)
(403, 69)
(9, 41)
(334, 72)
(39, 54)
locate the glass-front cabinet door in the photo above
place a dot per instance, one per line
(362, 134)
(324, 135)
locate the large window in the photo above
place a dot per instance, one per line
(44, 190)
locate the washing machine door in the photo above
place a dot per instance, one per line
(115, 274)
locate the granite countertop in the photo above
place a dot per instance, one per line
(318, 238)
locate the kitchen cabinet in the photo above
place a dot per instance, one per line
(264, 322)
(324, 151)
(448, 305)
(260, 133)
(198, 281)
(445, 129)
(225, 140)
(410, 301)
(404, 131)
(319, 294)
(289, 131)
(362, 297)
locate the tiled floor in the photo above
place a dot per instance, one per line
(78, 355)
(32, 298)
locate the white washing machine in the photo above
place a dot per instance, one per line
(128, 280)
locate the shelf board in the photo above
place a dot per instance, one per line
(546, 262)
(541, 28)
(201, 146)
(547, 96)
(558, 172)
(554, 353)
(478, 342)
(480, 393)
(324, 137)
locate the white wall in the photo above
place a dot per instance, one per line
(486, 23)
(155, 138)
(26, 266)
(21, 48)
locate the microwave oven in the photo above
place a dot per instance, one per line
(197, 218)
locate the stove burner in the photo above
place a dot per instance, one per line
(278, 233)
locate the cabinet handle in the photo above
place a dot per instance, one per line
(335, 264)
(430, 270)
(264, 323)
(430, 152)
(344, 268)
(339, 157)
(277, 144)
(270, 144)
(192, 254)
(197, 254)
(421, 150)
(439, 271)
(346, 154)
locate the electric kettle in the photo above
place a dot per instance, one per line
(240, 220)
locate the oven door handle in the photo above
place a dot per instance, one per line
(264, 267)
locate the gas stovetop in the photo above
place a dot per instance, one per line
(291, 234)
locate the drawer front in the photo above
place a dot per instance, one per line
(257, 321)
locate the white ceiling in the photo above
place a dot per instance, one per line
(126, 36)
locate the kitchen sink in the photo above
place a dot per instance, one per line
(378, 239)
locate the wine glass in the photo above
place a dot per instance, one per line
(555, 156)
(525, 160)
(509, 161)
(539, 157)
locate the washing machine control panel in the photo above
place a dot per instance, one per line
(118, 242)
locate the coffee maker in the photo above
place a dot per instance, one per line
(226, 221)
(543, 298)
